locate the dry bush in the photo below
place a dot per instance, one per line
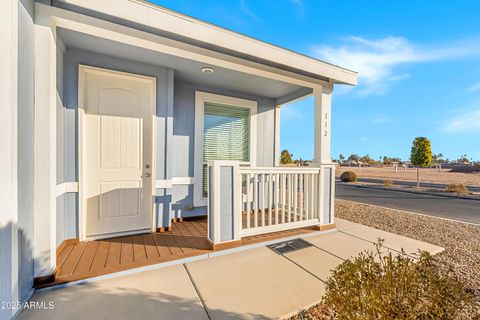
(378, 286)
(348, 176)
(457, 188)
(388, 182)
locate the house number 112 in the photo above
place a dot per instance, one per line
(326, 125)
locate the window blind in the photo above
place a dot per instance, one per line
(226, 135)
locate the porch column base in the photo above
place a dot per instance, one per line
(325, 227)
(224, 245)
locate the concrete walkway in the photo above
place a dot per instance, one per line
(249, 284)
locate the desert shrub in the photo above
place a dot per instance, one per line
(457, 188)
(348, 176)
(388, 182)
(379, 286)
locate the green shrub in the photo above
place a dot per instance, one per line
(348, 176)
(379, 286)
(457, 188)
(388, 182)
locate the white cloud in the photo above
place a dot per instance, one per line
(466, 122)
(475, 87)
(376, 60)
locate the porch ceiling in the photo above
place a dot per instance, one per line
(187, 70)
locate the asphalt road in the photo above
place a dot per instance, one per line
(412, 183)
(446, 207)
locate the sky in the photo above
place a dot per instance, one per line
(418, 64)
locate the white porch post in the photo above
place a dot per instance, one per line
(323, 105)
(224, 207)
(8, 161)
(276, 151)
(44, 250)
(322, 159)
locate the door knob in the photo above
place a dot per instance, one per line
(147, 174)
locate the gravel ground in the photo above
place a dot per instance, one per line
(426, 175)
(460, 240)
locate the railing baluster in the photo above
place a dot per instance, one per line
(301, 195)
(270, 181)
(263, 199)
(277, 193)
(295, 196)
(255, 200)
(283, 196)
(315, 196)
(306, 184)
(247, 216)
(312, 196)
(289, 200)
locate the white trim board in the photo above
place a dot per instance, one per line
(163, 184)
(175, 181)
(72, 187)
(200, 99)
(66, 187)
(182, 180)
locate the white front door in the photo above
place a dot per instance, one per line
(117, 152)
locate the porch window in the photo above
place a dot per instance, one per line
(225, 129)
(226, 135)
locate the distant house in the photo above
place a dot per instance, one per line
(122, 117)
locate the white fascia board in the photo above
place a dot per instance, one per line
(173, 22)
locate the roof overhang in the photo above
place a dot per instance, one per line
(144, 16)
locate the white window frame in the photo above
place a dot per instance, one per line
(200, 98)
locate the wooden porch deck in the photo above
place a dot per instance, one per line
(186, 239)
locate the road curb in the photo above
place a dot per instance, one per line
(410, 191)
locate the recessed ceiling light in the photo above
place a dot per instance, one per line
(208, 70)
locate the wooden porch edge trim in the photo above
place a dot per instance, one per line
(326, 227)
(224, 245)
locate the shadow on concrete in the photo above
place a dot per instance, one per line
(93, 301)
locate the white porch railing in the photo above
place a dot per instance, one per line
(247, 201)
(275, 199)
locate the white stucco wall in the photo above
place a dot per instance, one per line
(16, 162)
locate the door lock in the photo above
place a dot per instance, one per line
(147, 174)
